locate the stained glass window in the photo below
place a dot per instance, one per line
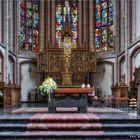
(66, 8)
(103, 25)
(29, 25)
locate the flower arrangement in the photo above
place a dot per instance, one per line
(48, 86)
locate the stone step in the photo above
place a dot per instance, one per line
(86, 118)
(69, 126)
(13, 127)
(120, 121)
(14, 120)
(64, 126)
(70, 120)
(83, 126)
(70, 135)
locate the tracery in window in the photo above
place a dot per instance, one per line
(103, 25)
(66, 8)
(29, 25)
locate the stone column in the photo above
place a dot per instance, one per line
(138, 98)
(122, 13)
(45, 25)
(16, 43)
(91, 27)
(17, 75)
(49, 24)
(133, 20)
(42, 26)
(126, 43)
(53, 23)
(6, 39)
(85, 25)
(0, 21)
(10, 31)
(116, 38)
(79, 23)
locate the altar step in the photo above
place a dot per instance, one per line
(69, 126)
(70, 135)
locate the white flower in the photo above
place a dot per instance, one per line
(47, 86)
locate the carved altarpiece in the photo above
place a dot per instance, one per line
(67, 64)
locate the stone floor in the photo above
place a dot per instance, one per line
(44, 105)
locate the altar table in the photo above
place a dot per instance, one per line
(69, 97)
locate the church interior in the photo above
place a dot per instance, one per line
(69, 69)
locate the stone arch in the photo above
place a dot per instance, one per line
(133, 54)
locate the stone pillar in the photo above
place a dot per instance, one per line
(133, 20)
(10, 30)
(138, 98)
(42, 25)
(122, 13)
(85, 25)
(16, 43)
(0, 21)
(49, 23)
(53, 23)
(91, 27)
(6, 39)
(116, 38)
(17, 75)
(126, 43)
(79, 23)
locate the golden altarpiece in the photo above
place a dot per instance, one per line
(67, 64)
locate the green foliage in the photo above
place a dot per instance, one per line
(48, 86)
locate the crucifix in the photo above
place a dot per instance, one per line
(67, 46)
(66, 58)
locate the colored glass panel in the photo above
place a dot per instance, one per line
(98, 23)
(98, 6)
(98, 15)
(97, 32)
(103, 25)
(29, 25)
(98, 39)
(104, 5)
(70, 9)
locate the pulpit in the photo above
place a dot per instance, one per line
(10, 95)
(133, 84)
(120, 93)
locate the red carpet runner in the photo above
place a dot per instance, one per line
(64, 124)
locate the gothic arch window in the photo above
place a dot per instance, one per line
(29, 25)
(66, 8)
(103, 25)
(134, 61)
